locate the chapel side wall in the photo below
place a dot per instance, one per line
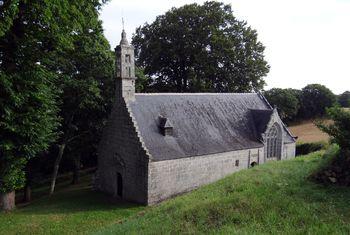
(289, 150)
(171, 177)
(121, 151)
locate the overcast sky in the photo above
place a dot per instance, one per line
(307, 41)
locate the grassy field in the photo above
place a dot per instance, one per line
(273, 198)
(308, 132)
(73, 210)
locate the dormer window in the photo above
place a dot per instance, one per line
(165, 126)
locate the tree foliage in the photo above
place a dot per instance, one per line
(87, 88)
(142, 81)
(338, 169)
(200, 48)
(286, 100)
(36, 39)
(339, 129)
(28, 122)
(315, 98)
(344, 99)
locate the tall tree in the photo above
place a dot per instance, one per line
(142, 81)
(315, 98)
(30, 34)
(199, 48)
(87, 87)
(33, 34)
(286, 100)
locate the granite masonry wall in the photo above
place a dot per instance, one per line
(288, 151)
(121, 151)
(171, 177)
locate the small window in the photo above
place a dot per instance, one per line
(127, 58)
(237, 163)
(129, 71)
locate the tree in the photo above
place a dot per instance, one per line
(344, 99)
(200, 48)
(315, 98)
(142, 81)
(286, 101)
(339, 129)
(87, 89)
(33, 34)
(29, 35)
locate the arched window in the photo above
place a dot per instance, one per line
(274, 142)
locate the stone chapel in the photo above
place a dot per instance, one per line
(158, 145)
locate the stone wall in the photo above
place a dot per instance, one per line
(121, 151)
(289, 150)
(172, 177)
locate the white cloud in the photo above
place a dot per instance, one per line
(306, 41)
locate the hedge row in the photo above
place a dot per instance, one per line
(306, 148)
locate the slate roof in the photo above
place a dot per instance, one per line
(261, 118)
(202, 123)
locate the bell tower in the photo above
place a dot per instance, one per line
(125, 68)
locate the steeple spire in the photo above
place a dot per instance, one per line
(125, 70)
(123, 41)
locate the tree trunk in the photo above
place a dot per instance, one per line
(76, 169)
(8, 201)
(27, 196)
(61, 148)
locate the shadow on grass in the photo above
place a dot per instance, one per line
(70, 199)
(75, 200)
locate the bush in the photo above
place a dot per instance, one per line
(338, 170)
(335, 169)
(344, 99)
(306, 148)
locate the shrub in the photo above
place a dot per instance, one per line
(306, 148)
(344, 99)
(338, 170)
(335, 169)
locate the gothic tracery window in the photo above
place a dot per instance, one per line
(273, 142)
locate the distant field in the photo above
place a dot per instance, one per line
(308, 132)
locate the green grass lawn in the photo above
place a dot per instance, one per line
(273, 198)
(72, 210)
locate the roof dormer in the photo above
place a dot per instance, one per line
(165, 126)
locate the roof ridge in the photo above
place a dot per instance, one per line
(172, 93)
